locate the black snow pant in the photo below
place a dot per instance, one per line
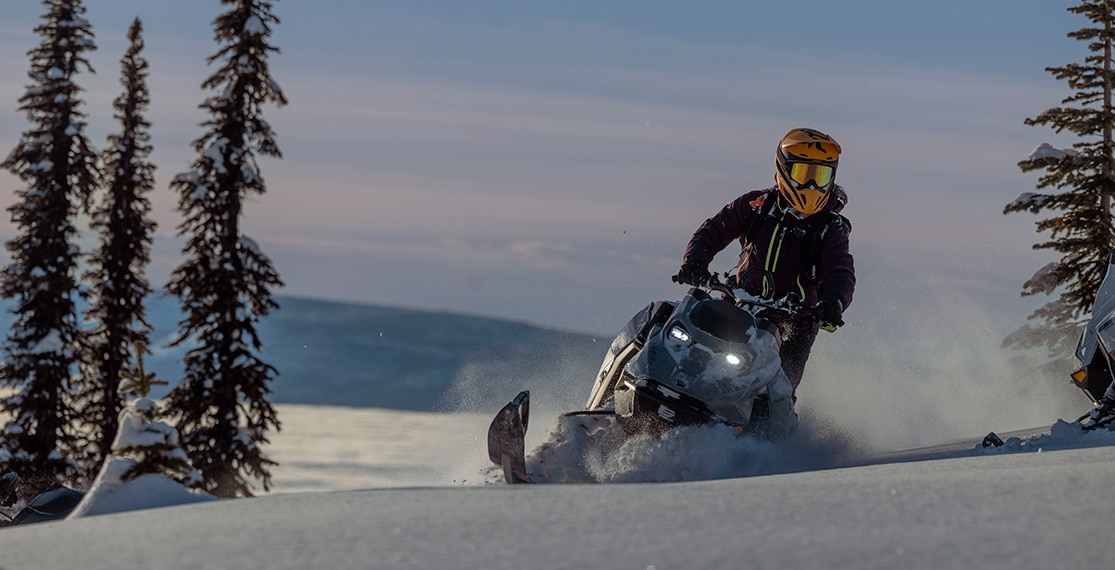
(798, 335)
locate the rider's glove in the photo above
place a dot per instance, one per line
(693, 273)
(831, 312)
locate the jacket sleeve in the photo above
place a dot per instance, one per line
(836, 269)
(720, 230)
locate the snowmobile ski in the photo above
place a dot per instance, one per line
(507, 439)
(1106, 421)
(993, 440)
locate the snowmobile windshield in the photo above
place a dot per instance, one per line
(722, 320)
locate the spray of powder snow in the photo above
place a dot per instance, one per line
(598, 450)
(559, 381)
(904, 376)
(898, 376)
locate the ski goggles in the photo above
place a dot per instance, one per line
(805, 175)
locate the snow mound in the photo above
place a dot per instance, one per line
(110, 494)
(1062, 435)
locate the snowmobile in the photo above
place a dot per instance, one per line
(55, 503)
(1094, 349)
(709, 358)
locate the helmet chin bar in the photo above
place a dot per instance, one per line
(803, 202)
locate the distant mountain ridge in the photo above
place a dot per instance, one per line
(348, 354)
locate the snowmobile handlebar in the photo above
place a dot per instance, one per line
(733, 293)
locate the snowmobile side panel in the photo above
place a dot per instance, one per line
(1097, 339)
(1097, 375)
(53, 504)
(625, 346)
(507, 439)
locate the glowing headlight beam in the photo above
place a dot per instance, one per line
(679, 334)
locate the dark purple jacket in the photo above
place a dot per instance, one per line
(777, 247)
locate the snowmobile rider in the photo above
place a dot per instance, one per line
(794, 231)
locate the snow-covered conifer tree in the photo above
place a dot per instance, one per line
(224, 284)
(116, 274)
(1079, 186)
(144, 444)
(57, 168)
(146, 459)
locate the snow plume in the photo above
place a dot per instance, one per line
(923, 374)
(559, 375)
(597, 449)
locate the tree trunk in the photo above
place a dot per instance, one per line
(1105, 199)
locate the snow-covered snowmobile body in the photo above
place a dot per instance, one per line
(699, 360)
(1094, 350)
(53, 504)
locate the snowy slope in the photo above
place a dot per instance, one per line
(1012, 510)
(368, 487)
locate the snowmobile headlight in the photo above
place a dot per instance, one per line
(680, 334)
(738, 361)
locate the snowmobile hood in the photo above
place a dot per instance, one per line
(718, 355)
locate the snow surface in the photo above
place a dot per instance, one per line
(1038, 502)
(402, 488)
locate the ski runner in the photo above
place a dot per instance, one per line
(793, 230)
(1104, 412)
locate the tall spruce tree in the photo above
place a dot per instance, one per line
(118, 285)
(58, 169)
(1078, 192)
(224, 284)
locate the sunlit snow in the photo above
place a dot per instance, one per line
(391, 488)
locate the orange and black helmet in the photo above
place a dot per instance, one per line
(805, 169)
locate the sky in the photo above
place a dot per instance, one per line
(957, 505)
(548, 162)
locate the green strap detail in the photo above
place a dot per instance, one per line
(779, 235)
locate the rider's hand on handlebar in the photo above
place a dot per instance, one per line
(693, 273)
(831, 313)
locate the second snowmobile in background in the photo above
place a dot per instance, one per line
(1094, 351)
(56, 503)
(709, 358)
